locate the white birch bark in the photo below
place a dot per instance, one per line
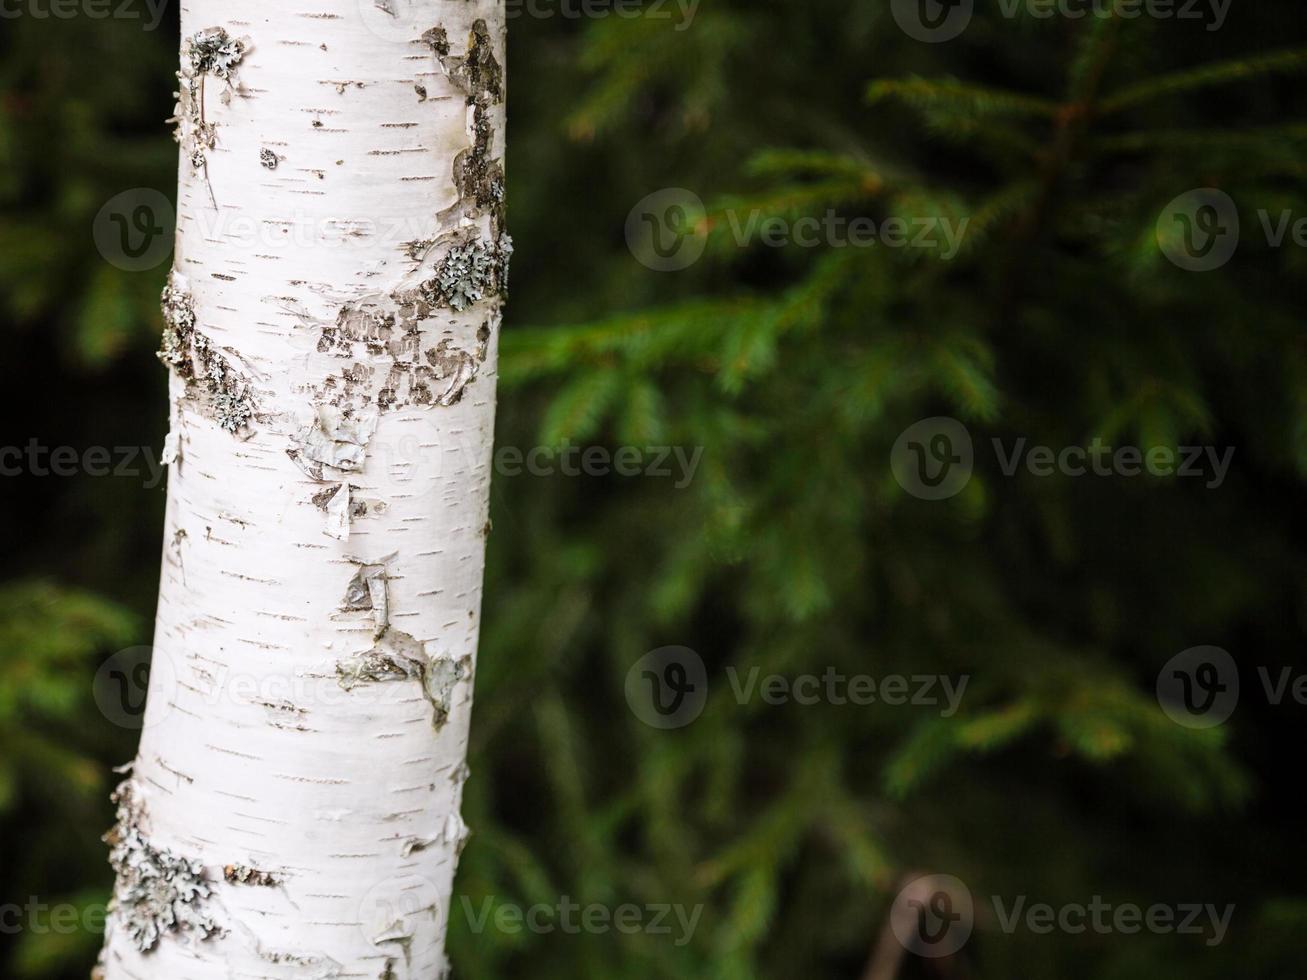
(333, 318)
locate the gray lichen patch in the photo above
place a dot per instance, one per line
(398, 656)
(469, 272)
(211, 52)
(211, 379)
(157, 893)
(239, 874)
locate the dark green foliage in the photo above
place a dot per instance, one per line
(794, 550)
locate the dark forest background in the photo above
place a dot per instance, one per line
(1067, 315)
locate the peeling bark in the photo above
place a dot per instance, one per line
(303, 759)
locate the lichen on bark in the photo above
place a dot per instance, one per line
(369, 331)
(210, 52)
(239, 874)
(157, 893)
(469, 272)
(219, 390)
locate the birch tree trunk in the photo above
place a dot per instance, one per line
(332, 330)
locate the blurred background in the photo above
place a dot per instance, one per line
(1095, 293)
